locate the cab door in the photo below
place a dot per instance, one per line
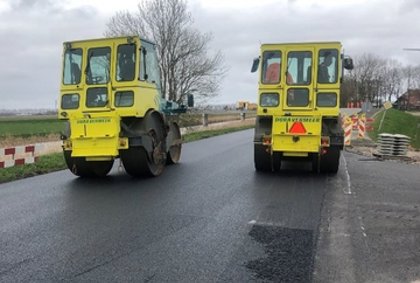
(298, 79)
(328, 80)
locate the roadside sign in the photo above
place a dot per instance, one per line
(387, 105)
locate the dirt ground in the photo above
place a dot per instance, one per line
(368, 148)
(221, 125)
(414, 113)
(17, 141)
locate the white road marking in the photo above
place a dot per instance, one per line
(348, 192)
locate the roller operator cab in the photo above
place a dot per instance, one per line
(111, 98)
(298, 105)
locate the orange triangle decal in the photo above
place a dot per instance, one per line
(297, 128)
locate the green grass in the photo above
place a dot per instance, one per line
(30, 127)
(54, 162)
(398, 122)
(45, 164)
(27, 117)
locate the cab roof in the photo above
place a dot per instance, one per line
(319, 43)
(104, 39)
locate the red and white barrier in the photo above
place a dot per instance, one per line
(355, 104)
(355, 120)
(369, 124)
(360, 123)
(361, 126)
(348, 128)
(19, 155)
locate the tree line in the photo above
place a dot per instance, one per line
(376, 80)
(187, 64)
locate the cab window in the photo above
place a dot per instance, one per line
(70, 101)
(72, 66)
(97, 70)
(299, 67)
(97, 97)
(327, 66)
(297, 97)
(269, 100)
(149, 67)
(271, 66)
(126, 58)
(326, 100)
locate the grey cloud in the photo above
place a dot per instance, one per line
(33, 32)
(410, 5)
(32, 4)
(369, 27)
(31, 53)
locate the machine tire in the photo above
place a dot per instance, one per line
(331, 160)
(316, 163)
(174, 151)
(276, 161)
(262, 159)
(140, 163)
(137, 163)
(87, 169)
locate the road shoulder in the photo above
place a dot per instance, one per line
(372, 234)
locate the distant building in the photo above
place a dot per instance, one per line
(409, 100)
(245, 105)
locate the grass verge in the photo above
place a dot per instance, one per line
(45, 164)
(397, 122)
(54, 162)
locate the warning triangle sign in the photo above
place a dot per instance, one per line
(297, 128)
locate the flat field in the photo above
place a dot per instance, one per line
(29, 126)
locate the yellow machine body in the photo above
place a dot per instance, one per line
(110, 95)
(298, 99)
(95, 129)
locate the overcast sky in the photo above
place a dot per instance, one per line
(32, 32)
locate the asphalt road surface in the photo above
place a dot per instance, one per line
(211, 218)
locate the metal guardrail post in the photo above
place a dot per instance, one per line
(242, 114)
(205, 119)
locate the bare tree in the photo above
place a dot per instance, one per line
(377, 79)
(348, 90)
(411, 76)
(368, 75)
(186, 65)
(392, 79)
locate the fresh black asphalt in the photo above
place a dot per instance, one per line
(211, 218)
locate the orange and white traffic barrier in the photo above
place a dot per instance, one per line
(348, 128)
(19, 155)
(355, 104)
(369, 124)
(361, 126)
(355, 120)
